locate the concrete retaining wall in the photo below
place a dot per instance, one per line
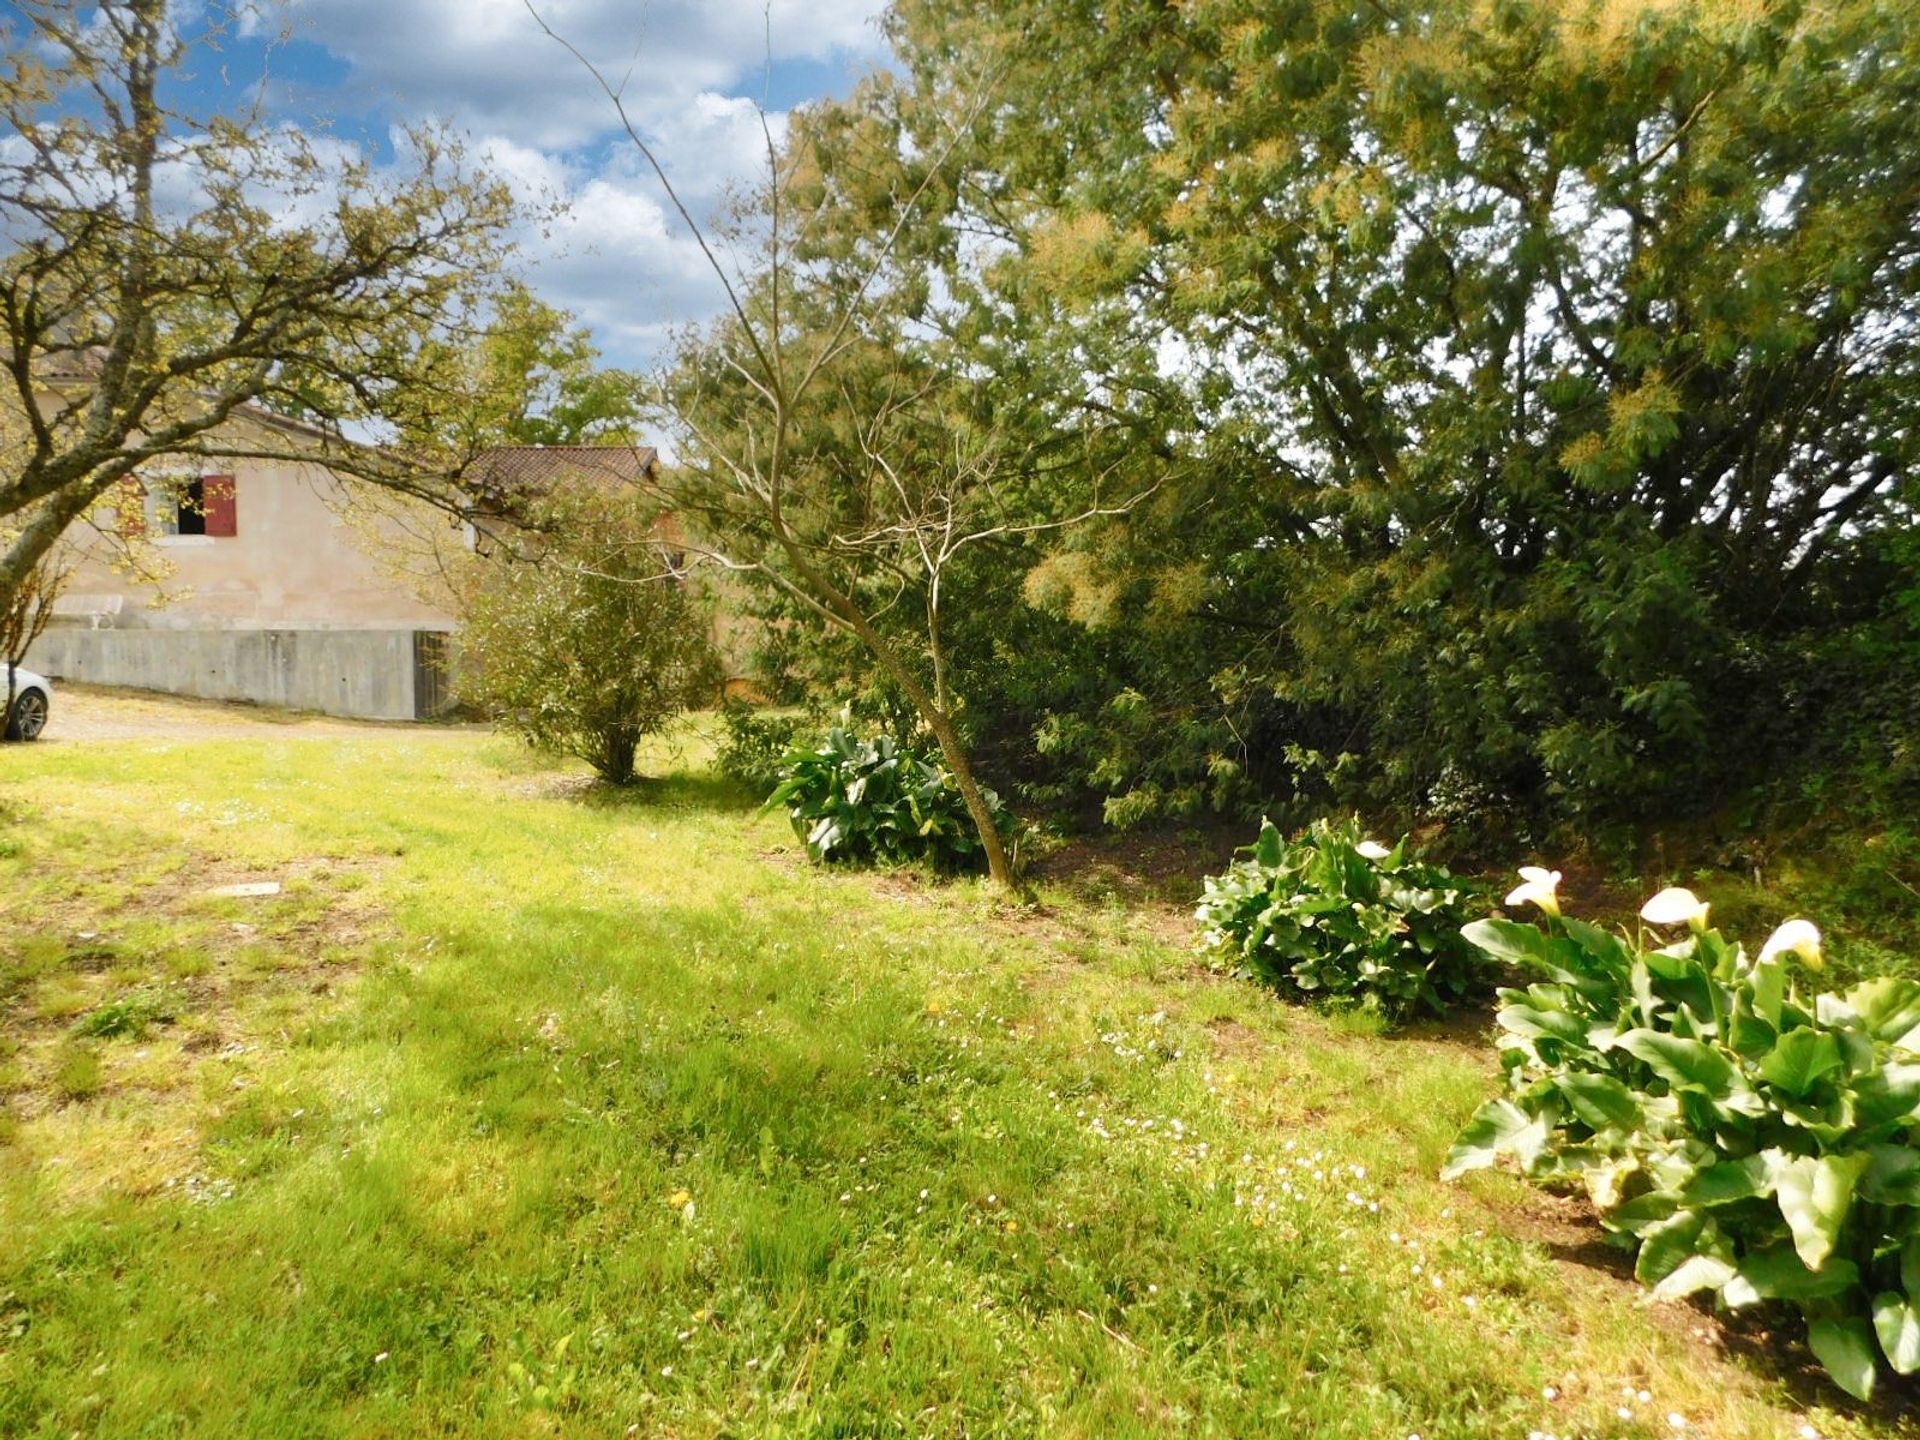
(367, 673)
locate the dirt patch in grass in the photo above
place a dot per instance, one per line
(322, 901)
(1233, 1039)
(552, 785)
(1137, 866)
(143, 987)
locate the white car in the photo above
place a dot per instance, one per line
(32, 700)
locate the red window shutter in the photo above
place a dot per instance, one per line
(130, 506)
(216, 495)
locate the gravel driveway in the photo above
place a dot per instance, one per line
(87, 712)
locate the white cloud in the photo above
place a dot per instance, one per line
(713, 142)
(610, 252)
(691, 73)
(487, 64)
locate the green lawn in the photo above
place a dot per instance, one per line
(523, 1111)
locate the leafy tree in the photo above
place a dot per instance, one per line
(1541, 373)
(531, 378)
(593, 644)
(136, 328)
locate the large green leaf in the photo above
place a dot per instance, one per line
(1846, 1348)
(1892, 1176)
(1497, 1127)
(1898, 1326)
(1646, 1004)
(1270, 847)
(1692, 1275)
(1832, 1124)
(1889, 1008)
(1750, 1035)
(1607, 1181)
(1777, 1274)
(1800, 1060)
(1731, 1181)
(1668, 1245)
(1600, 1100)
(1535, 1023)
(1683, 1064)
(1641, 1214)
(1510, 941)
(1814, 1194)
(1603, 945)
(1889, 1096)
(1682, 979)
(1768, 990)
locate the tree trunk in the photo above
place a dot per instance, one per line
(824, 594)
(618, 746)
(999, 870)
(43, 531)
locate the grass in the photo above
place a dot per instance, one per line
(527, 1109)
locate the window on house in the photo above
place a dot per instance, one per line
(191, 505)
(160, 500)
(190, 508)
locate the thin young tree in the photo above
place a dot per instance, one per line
(829, 443)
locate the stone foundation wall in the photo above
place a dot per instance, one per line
(373, 674)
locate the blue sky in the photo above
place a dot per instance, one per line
(358, 68)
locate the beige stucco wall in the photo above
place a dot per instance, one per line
(301, 557)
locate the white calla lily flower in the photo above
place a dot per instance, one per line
(1796, 937)
(1373, 850)
(1676, 906)
(1540, 887)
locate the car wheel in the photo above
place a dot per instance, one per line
(29, 716)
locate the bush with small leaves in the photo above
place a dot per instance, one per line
(754, 743)
(592, 645)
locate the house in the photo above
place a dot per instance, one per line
(275, 580)
(507, 475)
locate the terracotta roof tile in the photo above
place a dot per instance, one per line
(536, 469)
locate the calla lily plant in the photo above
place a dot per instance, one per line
(1742, 1138)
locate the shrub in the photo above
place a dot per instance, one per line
(129, 1015)
(1743, 1139)
(754, 744)
(1336, 917)
(591, 647)
(872, 801)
